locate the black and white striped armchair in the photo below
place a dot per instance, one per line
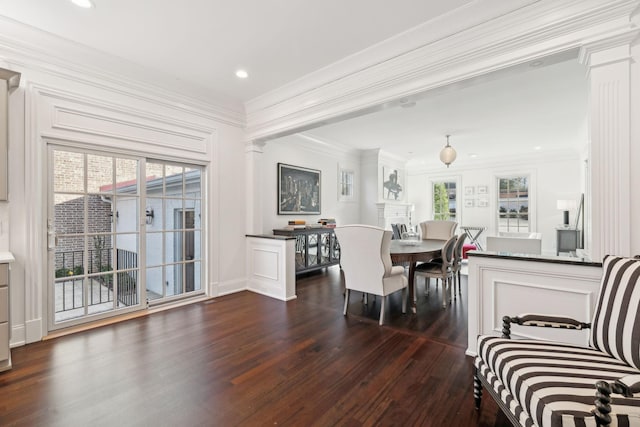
(550, 384)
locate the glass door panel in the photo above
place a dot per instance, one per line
(173, 239)
(93, 236)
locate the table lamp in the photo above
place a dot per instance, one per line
(566, 206)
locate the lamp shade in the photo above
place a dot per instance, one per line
(447, 154)
(566, 205)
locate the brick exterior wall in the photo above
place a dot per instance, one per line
(69, 219)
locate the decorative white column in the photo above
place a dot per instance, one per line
(609, 65)
(253, 173)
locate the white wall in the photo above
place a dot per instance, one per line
(553, 177)
(297, 151)
(67, 103)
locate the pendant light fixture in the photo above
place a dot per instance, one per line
(447, 154)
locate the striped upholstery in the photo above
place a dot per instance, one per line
(616, 324)
(553, 384)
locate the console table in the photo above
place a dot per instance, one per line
(315, 248)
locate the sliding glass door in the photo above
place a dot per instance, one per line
(122, 231)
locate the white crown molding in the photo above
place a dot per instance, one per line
(466, 16)
(545, 27)
(318, 145)
(24, 47)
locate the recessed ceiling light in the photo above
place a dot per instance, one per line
(242, 74)
(537, 148)
(473, 155)
(83, 3)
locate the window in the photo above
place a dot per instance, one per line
(444, 200)
(513, 203)
(345, 184)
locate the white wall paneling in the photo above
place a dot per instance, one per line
(609, 61)
(62, 108)
(502, 286)
(271, 267)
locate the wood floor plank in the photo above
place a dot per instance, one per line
(248, 360)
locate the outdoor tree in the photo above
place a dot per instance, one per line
(440, 202)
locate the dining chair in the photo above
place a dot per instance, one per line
(442, 269)
(366, 263)
(440, 230)
(457, 263)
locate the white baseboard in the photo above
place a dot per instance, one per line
(229, 287)
(33, 331)
(17, 336)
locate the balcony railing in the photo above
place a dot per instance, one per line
(99, 274)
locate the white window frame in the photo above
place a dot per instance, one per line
(346, 196)
(532, 202)
(447, 178)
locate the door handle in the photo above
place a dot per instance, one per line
(52, 238)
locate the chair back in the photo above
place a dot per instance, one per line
(448, 252)
(364, 256)
(615, 320)
(397, 233)
(457, 250)
(441, 230)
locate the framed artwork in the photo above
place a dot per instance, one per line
(468, 191)
(468, 203)
(298, 190)
(483, 189)
(483, 202)
(346, 189)
(391, 183)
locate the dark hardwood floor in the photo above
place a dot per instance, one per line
(246, 360)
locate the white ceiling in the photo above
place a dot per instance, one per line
(203, 42)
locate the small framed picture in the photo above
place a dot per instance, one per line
(468, 191)
(483, 202)
(483, 189)
(468, 203)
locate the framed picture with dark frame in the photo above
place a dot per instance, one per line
(298, 190)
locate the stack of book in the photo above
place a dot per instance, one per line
(295, 224)
(327, 222)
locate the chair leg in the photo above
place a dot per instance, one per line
(477, 389)
(346, 301)
(383, 299)
(459, 287)
(444, 293)
(453, 290)
(404, 300)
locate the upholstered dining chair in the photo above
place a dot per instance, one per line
(440, 230)
(439, 269)
(366, 263)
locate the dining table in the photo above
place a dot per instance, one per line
(413, 252)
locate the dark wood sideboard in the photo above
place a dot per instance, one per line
(315, 247)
